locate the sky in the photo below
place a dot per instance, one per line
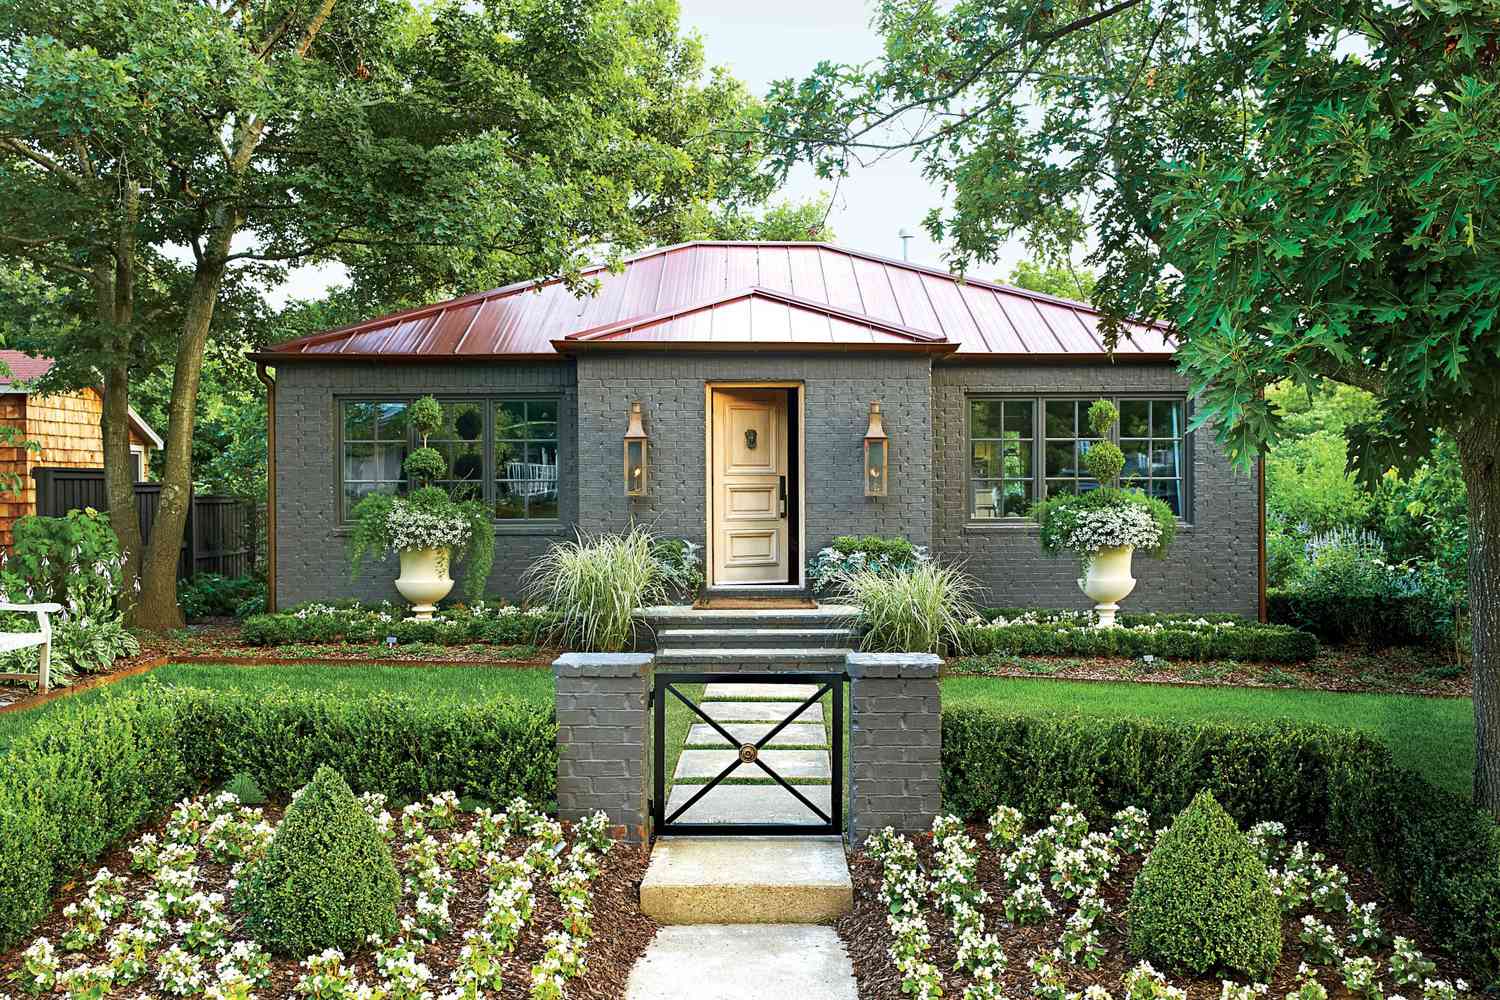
(765, 40)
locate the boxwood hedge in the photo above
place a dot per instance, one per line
(1174, 637)
(503, 625)
(87, 775)
(1433, 852)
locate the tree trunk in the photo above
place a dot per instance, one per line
(158, 606)
(1479, 453)
(119, 481)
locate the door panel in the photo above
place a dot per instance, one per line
(749, 459)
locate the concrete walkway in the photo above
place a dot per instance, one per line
(744, 962)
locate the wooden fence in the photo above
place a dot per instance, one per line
(220, 532)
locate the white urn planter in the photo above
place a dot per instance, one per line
(1108, 581)
(424, 580)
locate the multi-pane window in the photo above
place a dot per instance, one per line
(525, 459)
(501, 451)
(1068, 439)
(376, 441)
(1011, 439)
(1002, 440)
(1151, 438)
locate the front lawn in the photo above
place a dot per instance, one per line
(448, 684)
(1434, 736)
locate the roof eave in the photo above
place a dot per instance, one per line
(756, 346)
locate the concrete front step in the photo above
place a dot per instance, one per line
(750, 638)
(754, 658)
(794, 734)
(747, 880)
(787, 763)
(750, 804)
(740, 962)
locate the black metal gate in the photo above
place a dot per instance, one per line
(748, 755)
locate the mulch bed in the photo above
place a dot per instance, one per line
(621, 932)
(1397, 670)
(867, 936)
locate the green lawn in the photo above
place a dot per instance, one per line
(1432, 735)
(445, 683)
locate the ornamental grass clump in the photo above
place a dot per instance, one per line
(597, 583)
(327, 879)
(1203, 899)
(1109, 516)
(920, 609)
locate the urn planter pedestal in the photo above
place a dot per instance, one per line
(1108, 582)
(424, 580)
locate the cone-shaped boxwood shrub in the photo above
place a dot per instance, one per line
(1203, 900)
(327, 879)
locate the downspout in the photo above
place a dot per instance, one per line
(270, 384)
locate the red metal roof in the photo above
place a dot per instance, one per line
(23, 367)
(709, 294)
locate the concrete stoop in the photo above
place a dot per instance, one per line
(747, 880)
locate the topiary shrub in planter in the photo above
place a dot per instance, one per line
(327, 879)
(1203, 898)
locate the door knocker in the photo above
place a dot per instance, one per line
(750, 440)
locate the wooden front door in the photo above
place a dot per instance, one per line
(752, 532)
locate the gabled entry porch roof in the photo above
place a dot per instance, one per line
(715, 295)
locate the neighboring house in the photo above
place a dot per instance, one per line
(65, 426)
(755, 366)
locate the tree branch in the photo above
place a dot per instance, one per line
(43, 160)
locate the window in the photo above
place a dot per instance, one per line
(376, 441)
(501, 451)
(525, 459)
(1151, 438)
(1002, 435)
(1010, 438)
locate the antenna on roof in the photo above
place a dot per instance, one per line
(904, 235)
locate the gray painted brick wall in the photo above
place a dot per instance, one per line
(602, 729)
(895, 743)
(310, 556)
(839, 389)
(1212, 566)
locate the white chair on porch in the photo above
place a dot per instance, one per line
(12, 641)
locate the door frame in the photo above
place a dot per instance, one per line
(796, 453)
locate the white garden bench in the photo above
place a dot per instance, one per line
(12, 641)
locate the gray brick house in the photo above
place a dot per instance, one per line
(755, 367)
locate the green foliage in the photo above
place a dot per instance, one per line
(597, 583)
(498, 624)
(919, 609)
(1203, 899)
(88, 774)
(425, 415)
(1433, 852)
(783, 222)
(894, 548)
(73, 560)
(379, 525)
(681, 566)
(1171, 637)
(424, 465)
(326, 880)
(246, 789)
(1062, 280)
(1102, 417)
(213, 595)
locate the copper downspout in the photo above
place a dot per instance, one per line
(270, 384)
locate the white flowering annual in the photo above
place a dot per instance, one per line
(1109, 527)
(411, 529)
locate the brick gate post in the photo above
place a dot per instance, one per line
(603, 737)
(895, 743)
